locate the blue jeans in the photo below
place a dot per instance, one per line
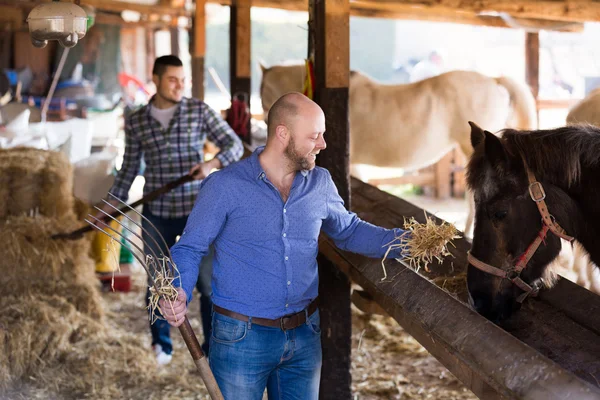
(170, 229)
(246, 358)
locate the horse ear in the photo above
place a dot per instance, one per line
(262, 66)
(494, 150)
(477, 134)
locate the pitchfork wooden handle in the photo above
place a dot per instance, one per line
(149, 197)
(191, 341)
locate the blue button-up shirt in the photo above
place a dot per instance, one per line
(265, 250)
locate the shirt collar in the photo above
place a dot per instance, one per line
(183, 105)
(257, 169)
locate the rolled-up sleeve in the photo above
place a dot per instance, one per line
(351, 233)
(220, 133)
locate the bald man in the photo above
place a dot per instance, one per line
(264, 214)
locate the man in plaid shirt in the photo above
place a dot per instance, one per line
(169, 134)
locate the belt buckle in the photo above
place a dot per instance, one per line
(283, 321)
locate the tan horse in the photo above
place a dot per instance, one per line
(413, 125)
(587, 110)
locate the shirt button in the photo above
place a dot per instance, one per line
(286, 258)
(284, 210)
(289, 283)
(284, 235)
(286, 306)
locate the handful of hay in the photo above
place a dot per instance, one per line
(422, 243)
(163, 284)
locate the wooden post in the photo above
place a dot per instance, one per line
(329, 22)
(150, 52)
(532, 64)
(174, 30)
(198, 50)
(239, 53)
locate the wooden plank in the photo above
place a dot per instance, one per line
(174, 31)
(565, 10)
(118, 6)
(240, 34)
(394, 10)
(488, 360)
(150, 51)
(337, 43)
(375, 9)
(551, 338)
(532, 62)
(548, 104)
(198, 49)
(420, 179)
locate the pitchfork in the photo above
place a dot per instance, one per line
(162, 264)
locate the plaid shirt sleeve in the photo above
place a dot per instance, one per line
(220, 133)
(131, 163)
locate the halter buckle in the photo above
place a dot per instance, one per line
(540, 188)
(512, 274)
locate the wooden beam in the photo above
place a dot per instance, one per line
(107, 18)
(172, 3)
(532, 62)
(198, 50)
(174, 31)
(401, 11)
(240, 34)
(150, 51)
(376, 9)
(118, 6)
(565, 10)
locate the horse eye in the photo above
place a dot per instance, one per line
(500, 214)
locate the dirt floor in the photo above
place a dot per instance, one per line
(387, 363)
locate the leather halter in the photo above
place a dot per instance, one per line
(537, 194)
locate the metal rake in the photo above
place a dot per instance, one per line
(158, 266)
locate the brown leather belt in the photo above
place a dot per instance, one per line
(286, 322)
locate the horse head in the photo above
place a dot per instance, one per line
(512, 244)
(279, 80)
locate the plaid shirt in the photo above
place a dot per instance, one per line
(169, 154)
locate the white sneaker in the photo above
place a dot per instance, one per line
(162, 358)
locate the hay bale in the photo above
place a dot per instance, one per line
(36, 330)
(45, 339)
(35, 180)
(32, 257)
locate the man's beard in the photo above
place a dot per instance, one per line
(299, 162)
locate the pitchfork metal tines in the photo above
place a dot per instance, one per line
(161, 271)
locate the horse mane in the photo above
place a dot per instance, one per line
(557, 155)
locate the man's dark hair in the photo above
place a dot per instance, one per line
(161, 64)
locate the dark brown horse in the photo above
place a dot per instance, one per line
(531, 188)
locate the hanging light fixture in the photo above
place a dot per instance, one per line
(62, 21)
